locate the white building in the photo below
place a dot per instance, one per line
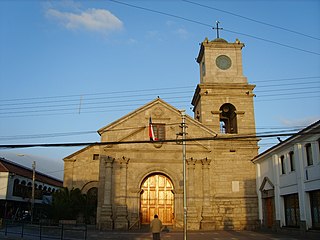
(16, 189)
(288, 182)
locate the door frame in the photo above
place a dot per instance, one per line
(141, 192)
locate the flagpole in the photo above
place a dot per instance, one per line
(183, 115)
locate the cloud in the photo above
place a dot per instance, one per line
(96, 20)
(179, 31)
(299, 122)
(183, 33)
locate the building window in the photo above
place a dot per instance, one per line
(228, 118)
(292, 211)
(20, 189)
(309, 154)
(315, 208)
(95, 157)
(283, 167)
(291, 159)
(159, 131)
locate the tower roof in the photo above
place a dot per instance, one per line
(220, 40)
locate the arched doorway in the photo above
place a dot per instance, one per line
(92, 202)
(157, 197)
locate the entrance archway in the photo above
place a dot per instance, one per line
(157, 197)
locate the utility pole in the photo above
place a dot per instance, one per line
(183, 115)
(33, 185)
(33, 188)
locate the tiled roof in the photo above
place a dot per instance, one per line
(12, 167)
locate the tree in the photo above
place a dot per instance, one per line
(68, 204)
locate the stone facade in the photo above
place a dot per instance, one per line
(136, 180)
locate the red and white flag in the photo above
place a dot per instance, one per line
(151, 131)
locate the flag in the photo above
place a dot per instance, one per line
(151, 132)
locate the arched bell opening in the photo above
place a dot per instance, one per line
(228, 119)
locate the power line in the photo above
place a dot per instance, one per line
(96, 94)
(162, 13)
(87, 105)
(238, 137)
(85, 102)
(288, 84)
(113, 93)
(286, 94)
(271, 41)
(287, 98)
(210, 25)
(119, 101)
(119, 108)
(251, 19)
(65, 134)
(286, 79)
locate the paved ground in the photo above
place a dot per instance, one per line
(175, 235)
(203, 235)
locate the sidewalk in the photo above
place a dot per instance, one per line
(94, 234)
(201, 235)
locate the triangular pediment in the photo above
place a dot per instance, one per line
(266, 184)
(134, 126)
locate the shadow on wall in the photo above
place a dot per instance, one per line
(242, 212)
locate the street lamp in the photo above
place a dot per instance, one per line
(33, 186)
(183, 115)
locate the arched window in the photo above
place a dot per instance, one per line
(16, 187)
(228, 118)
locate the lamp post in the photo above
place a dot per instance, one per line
(33, 185)
(33, 188)
(183, 115)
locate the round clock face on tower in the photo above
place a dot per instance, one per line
(223, 62)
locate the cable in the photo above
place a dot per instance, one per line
(127, 91)
(222, 138)
(209, 25)
(30, 107)
(271, 41)
(64, 134)
(95, 94)
(287, 98)
(85, 102)
(288, 84)
(74, 111)
(251, 19)
(286, 94)
(44, 135)
(286, 79)
(160, 12)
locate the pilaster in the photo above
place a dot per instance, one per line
(207, 221)
(106, 221)
(121, 218)
(193, 222)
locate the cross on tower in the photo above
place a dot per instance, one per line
(217, 28)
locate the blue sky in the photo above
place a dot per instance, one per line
(68, 68)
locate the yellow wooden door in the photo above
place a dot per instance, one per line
(157, 198)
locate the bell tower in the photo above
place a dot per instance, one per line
(223, 101)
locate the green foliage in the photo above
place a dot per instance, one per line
(68, 204)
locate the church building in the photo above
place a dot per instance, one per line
(134, 178)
